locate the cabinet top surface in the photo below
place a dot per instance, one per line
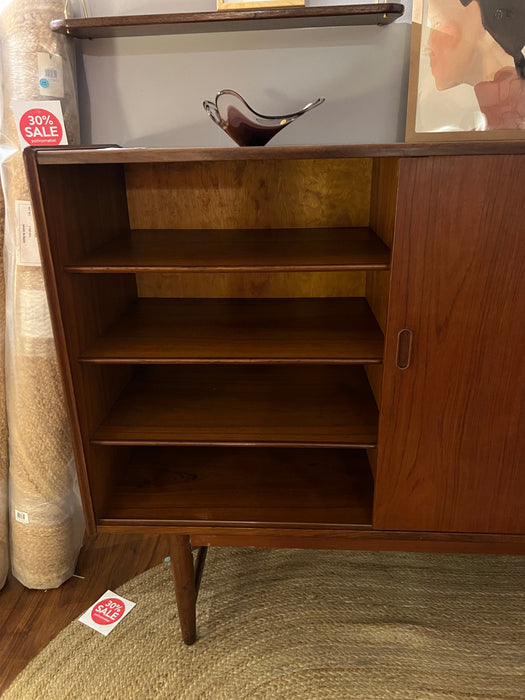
(114, 154)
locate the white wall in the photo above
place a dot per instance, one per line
(148, 91)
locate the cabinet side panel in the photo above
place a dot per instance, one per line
(451, 449)
(382, 221)
(77, 209)
(384, 198)
(85, 207)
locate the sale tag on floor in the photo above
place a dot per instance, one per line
(107, 612)
(40, 123)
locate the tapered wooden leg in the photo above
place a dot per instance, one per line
(199, 568)
(184, 579)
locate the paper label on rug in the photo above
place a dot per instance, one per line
(21, 517)
(27, 242)
(50, 74)
(107, 612)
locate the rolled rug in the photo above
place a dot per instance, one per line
(4, 539)
(45, 514)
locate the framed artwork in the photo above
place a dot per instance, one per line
(467, 70)
(257, 4)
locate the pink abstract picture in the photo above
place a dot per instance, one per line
(467, 77)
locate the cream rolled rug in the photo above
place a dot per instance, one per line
(289, 624)
(46, 521)
(4, 530)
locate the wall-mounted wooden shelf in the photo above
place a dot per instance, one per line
(227, 21)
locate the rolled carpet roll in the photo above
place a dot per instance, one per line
(4, 539)
(45, 514)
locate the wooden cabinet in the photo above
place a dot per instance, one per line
(297, 347)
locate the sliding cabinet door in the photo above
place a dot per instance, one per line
(451, 453)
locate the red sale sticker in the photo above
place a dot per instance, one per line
(107, 612)
(40, 128)
(40, 123)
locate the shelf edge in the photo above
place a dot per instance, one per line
(229, 20)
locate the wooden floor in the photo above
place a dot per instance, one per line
(31, 619)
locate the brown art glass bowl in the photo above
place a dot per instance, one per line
(244, 125)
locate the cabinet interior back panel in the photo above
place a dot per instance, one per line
(250, 194)
(245, 285)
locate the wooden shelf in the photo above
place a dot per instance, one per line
(242, 330)
(241, 486)
(227, 21)
(239, 250)
(302, 406)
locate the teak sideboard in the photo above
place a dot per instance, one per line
(292, 346)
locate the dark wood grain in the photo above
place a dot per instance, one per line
(383, 206)
(53, 156)
(383, 202)
(451, 453)
(29, 620)
(278, 405)
(239, 251)
(228, 20)
(76, 208)
(183, 571)
(242, 330)
(200, 561)
(368, 540)
(305, 194)
(218, 486)
(252, 285)
(242, 194)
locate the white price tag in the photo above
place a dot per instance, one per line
(27, 242)
(50, 75)
(21, 517)
(107, 612)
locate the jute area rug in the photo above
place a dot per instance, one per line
(306, 625)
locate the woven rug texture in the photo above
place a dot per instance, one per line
(305, 625)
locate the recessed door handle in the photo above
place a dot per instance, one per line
(404, 348)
